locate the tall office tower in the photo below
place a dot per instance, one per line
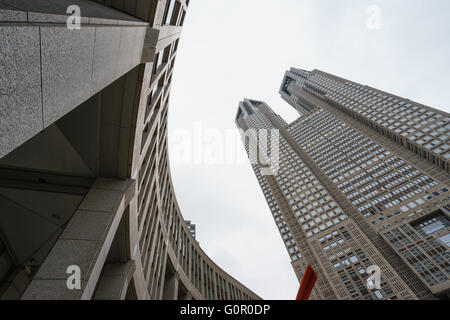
(191, 227)
(362, 181)
(85, 185)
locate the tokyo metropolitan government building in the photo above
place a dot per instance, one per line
(362, 181)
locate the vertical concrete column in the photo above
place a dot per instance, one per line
(171, 288)
(84, 244)
(188, 296)
(114, 282)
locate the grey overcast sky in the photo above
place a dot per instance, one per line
(241, 48)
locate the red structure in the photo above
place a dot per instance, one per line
(307, 284)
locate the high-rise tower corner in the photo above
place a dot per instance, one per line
(362, 187)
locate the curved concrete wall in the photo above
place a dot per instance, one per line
(127, 234)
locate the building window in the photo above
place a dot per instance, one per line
(446, 239)
(378, 294)
(169, 11)
(158, 61)
(431, 223)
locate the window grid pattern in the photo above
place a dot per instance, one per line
(422, 130)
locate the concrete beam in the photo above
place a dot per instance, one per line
(114, 282)
(84, 243)
(52, 70)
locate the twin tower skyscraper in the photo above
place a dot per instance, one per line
(358, 186)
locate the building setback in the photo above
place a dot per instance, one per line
(362, 180)
(84, 172)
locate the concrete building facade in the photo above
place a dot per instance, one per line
(85, 185)
(363, 181)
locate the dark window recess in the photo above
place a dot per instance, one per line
(168, 12)
(286, 84)
(239, 114)
(248, 108)
(158, 61)
(431, 223)
(180, 21)
(255, 103)
(151, 96)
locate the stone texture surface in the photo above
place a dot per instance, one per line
(87, 225)
(49, 18)
(101, 200)
(34, 6)
(96, 10)
(107, 41)
(66, 69)
(41, 82)
(51, 290)
(116, 22)
(20, 88)
(78, 63)
(139, 43)
(51, 8)
(126, 56)
(11, 14)
(66, 253)
(110, 184)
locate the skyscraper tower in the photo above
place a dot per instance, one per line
(359, 186)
